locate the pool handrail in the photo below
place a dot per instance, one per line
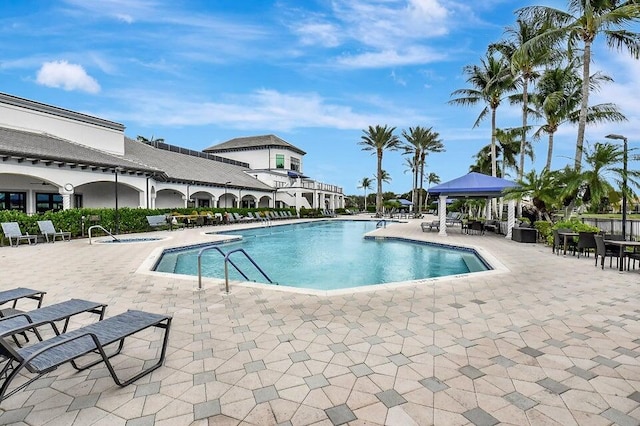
(226, 268)
(381, 224)
(103, 230)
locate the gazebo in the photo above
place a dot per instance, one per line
(473, 185)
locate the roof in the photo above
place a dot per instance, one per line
(252, 142)
(402, 201)
(49, 148)
(473, 185)
(183, 167)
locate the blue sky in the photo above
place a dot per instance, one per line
(315, 73)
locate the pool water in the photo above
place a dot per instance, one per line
(326, 255)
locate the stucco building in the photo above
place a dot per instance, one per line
(53, 158)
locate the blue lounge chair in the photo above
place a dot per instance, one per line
(49, 231)
(12, 231)
(45, 356)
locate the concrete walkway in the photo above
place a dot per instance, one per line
(543, 340)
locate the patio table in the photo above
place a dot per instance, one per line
(622, 245)
(566, 236)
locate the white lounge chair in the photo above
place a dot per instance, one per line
(48, 230)
(12, 231)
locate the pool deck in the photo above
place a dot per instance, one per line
(544, 340)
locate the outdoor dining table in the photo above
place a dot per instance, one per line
(623, 245)
(566, 236)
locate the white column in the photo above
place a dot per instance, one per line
(442, 215)
(298, 195)
(66, 198)
(511, 217)
(488, 209)
(184, 198)
(152, 201)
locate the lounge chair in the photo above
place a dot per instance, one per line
(16, 294)
(430, 225)
(51, 314)
(12, 231)
(49, 231)
(45, 356)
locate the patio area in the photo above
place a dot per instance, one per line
(545, 340)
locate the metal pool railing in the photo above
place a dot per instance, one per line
(226, 265)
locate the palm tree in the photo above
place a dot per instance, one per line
(603, 161)
(580, 25)
(490, 82)
(431, 178)
(419, 143)
(558, 99)
(543, 189)
(365, 184)
(378, 139)
(524, 64)
(148, 141)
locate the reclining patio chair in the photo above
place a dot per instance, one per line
(12, 231)
(48, 315)
(45, 356)
(48, 230)
(16, 294)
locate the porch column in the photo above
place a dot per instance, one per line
(66, 198)
(442, 215)
(152, 201)
(298, 195)
(511, 217)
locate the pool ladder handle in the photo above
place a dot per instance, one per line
(103, 230)
(227, 260)
(381, 224)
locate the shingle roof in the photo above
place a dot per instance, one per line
(183, 167)
(264, 141)
(43, 147)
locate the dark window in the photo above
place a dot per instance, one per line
(47, 202)
(203, 202)
(13, 201)
(279, 161)
(77, 201)
(295, 164)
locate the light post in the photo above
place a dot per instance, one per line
(116, 170)
(225, 193)
(624, 181)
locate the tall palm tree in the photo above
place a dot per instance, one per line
(490, 82)
(558, 99)
(365, 184)
(579, 25)
(524, 65)
(379, 139)
(420, 142)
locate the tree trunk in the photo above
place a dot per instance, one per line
(523, 142)
(365, 200)
(582, 121)
(379, 179)
(550, 151)
(494, 166)
(421, 185)
(414, 195)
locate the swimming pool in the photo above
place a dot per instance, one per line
(326, 255)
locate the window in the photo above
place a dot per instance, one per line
(13, 201)
(279, 161)
(46, 202)
(295, 164)
(77, 201)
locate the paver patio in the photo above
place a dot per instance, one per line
(545, 340)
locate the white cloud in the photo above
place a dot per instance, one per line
(390, 58)
(61, 74)
(262, 109)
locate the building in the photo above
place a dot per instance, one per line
(53, 159)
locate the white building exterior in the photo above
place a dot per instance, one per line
(53, 158)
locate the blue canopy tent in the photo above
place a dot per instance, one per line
(473, 185)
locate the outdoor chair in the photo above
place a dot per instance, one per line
(51, 314)
(49, 231)
(634, 255)
(558, 241)
(430, 225)
(16, 294)
(45, 356)
(586, 242)
(12, 231)
(603, 251)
